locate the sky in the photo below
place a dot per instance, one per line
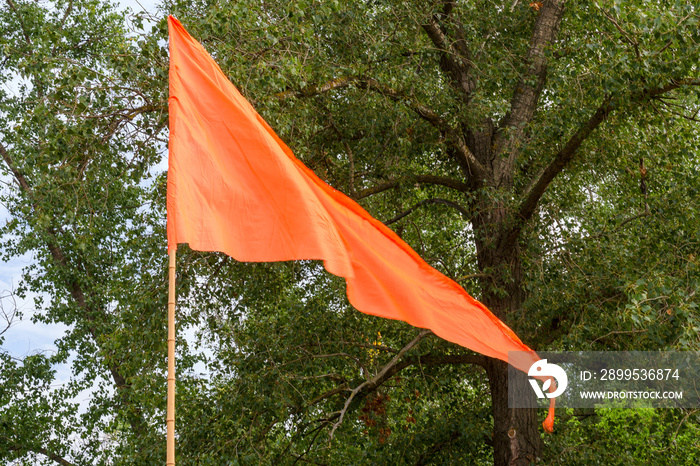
(140, 5)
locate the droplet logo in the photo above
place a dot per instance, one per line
(542, 369)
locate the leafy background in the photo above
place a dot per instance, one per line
(609, 259)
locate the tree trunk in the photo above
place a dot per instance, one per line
(516, 434)
(516, 431)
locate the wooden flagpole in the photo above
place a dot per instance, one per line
(170, 416)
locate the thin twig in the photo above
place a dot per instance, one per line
(464, 212)
(617, 332)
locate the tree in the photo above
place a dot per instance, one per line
(508, 144)
(77, 140)
(479, 108)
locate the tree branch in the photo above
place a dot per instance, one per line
(527, 91)
(425, 457)
(534, 192)
(19, 177)
(25, 32)
(627, 37)
(617, 332)
(645, 213)
(385, 373)
(536, 189)
(318, 89)
(455, 57)
(8, 317)
(455, 138)
(41, 451)
(475, 168)
(76, 291)
(418, 179)
(69, 8)
(342, 388)
(424, 360)
(464, 212)
(395, 366)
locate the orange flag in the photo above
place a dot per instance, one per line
(235, 187)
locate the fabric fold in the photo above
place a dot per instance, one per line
(235, 187)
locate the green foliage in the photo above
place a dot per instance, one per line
(621, 271)
(78, 141)
(608, 260)
(618, 437)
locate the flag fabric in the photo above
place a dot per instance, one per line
(236, 188)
